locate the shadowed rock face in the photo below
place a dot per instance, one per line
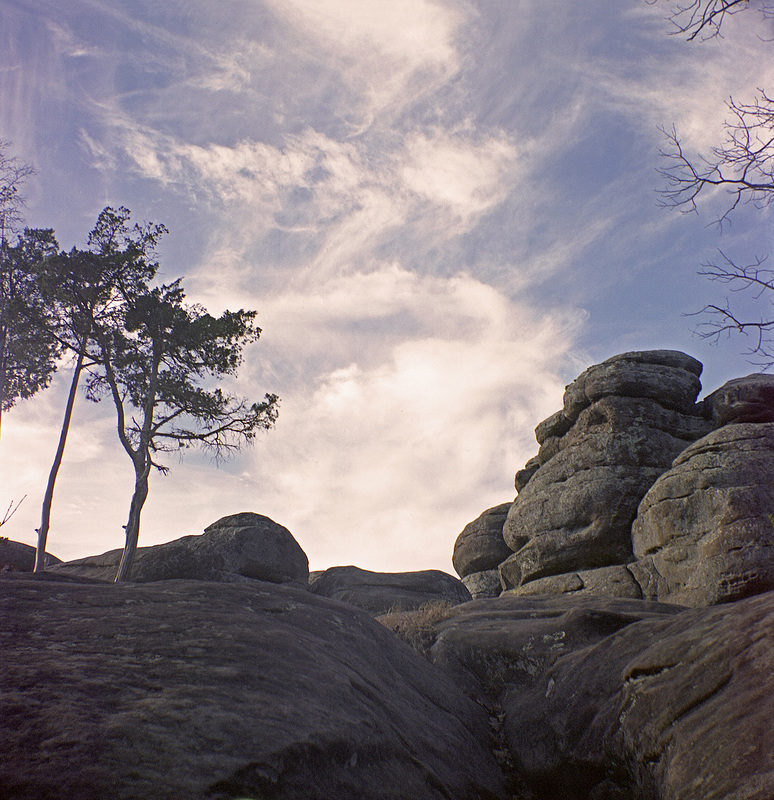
(748, 399)
(622, 699)
(481, 546)
(704, 533)
(234, 549)
(379, 592)
(182, 690)
(18, 556)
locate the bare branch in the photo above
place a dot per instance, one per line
(703, 19)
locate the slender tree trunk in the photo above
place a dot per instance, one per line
(48, 498)
(142, 472)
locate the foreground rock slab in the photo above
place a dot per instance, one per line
(613, 699)
(184, 690)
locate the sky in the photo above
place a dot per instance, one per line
(442, 210)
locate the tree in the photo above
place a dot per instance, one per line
(87, 288)
(28, 349)
(13, 173)
(743, 166)
(158, 366)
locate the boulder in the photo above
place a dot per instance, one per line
(704, 533)
(380, 592)
(577, 510)
(749, 399)
(237, 548)
(186, 690)
(667, 376)
(481, 546)
(612, 698)
(613, 581)
(483, 584)
(19, 556)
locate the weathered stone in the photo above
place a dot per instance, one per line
(523, 476)
(623, 698)
(749, 399)
(614, 581)
(576, 512)
(483, 584)
(704, 533)
(188, 690)
(481, 546)
(236, 548)
(20, 556)
(555, 426)
(379, 592)
(667, 376)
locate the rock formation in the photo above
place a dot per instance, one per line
(379, 592)
(234, 549)
(638, 491)
(480, 549)
(187, 690)
(622, 699)
(704, 533)
(17, 556)
(622, 424)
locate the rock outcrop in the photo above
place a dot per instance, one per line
(608, 698)
(184, 690)
(480, 549)
(622, 424)
(236, 548)
(380, 592)
(18, 556)
(704, 533)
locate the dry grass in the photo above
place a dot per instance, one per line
(417, 628)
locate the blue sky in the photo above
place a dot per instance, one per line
(442, 210)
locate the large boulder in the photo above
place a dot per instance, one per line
(704, 533)
(234, 549)
(611, 699)
(186, 690)
(481, 546)
(748, 399)
(380, 592)
(576, 511)
(20, 556)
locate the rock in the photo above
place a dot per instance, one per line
(614, 581)
(483, 584)
(523, 476)
(749, 399)
(379, 592)
(481, 546)
(667, 376)
(236, 548)
(576, 511)
(612, 698)
(704, 533)
(190, 690)
(19, 556)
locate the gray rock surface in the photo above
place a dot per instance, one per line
(704, 533)
(481, 546)
(187, 690)
(748, 399)
(613, 581)
(20, 556)
(576, 511)
(380, 592)
(627, 699)
(236, 548)
(483, 584)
